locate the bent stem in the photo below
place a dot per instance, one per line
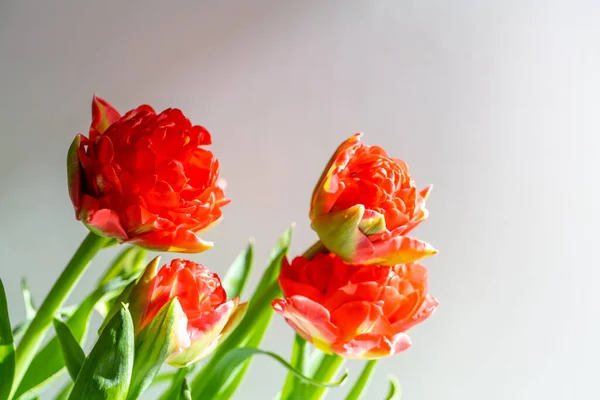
(363, 381)
(54, 300)
(329, 366)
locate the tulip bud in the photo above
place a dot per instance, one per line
(192, 300)
(365, 204)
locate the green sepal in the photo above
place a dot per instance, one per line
(339, 231)
(154, 344)
(71, 350)
(7, 348)
(106, 372)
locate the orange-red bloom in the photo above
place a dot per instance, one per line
(205, 317)
(365, 204)
(356, 311)
(144, 179)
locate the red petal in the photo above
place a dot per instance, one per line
(106, 223)
(309, 318)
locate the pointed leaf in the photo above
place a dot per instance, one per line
(185, 392)
(237, 275)
(236, 358)
(154, 344)
(30, 309)
(71, 350)
(49, 362)
(395, 392)
(7, 348)
(106, 372)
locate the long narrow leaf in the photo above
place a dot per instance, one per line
(7, 348)
(106, 372)
(49, 362)
(237, 275)
(259, 309)
(71, 350)
(236, 358)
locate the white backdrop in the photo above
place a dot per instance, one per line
(497, 103)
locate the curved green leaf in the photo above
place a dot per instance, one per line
(237, 275)
(7, 348)
(395, 391)
(256, 320)
(71, 350)
(106, 372)
(236, 358)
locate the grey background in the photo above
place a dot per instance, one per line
(494, 102)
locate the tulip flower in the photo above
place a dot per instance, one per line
(365, 204)
(145, 178)
(203, 317)
(355, 311)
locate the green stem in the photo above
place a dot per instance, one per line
(329, 366)
(363, 381)
(293, 386)
(54, 300)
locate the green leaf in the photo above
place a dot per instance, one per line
(65, 392)
(237, 275)
(185, 393)
(30, 309)
(362, 382)
(154, 344)
(72, 352)
(7, 348)
(236, 358)
(255, 322)
(395, 392)
(49, 362)
(106, 372)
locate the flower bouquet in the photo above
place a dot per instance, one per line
(147, 180)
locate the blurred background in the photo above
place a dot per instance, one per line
(496, 103)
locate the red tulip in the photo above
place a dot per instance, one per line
(143, 178)
(204, 316)
(365, 204)
(356, 311)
